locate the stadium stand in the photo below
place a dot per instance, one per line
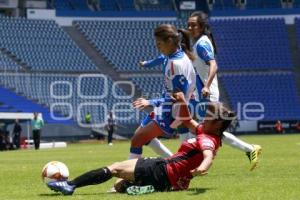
(148, 85)
(68, 4)
(223, 4)
(297, 25)
(249, 51)
(62, 5)
(297, 3)
(248, 44)
(115, 41)
(252, 4)
(258, 46)
(127, 5)
(109, 5)
(72, 95)
(156, 5)
(7, 64)
(11, 102)
(80, 4)
(42, 45)
(276, 91)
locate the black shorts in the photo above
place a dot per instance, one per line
(152, 171)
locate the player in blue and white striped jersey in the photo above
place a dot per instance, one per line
(179, 75)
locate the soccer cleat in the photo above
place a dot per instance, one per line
(61, 186)
(138, 190)
(254, 156)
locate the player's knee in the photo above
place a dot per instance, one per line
(114, 168)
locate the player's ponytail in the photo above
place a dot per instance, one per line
(185, 43)
(202, 19)
(180, 37)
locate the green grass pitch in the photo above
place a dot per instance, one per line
(277, 176)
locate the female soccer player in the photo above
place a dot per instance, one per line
(193, 158)
(206, 67)
(179, 75)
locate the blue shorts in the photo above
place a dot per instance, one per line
(198, 108)
(163, 123)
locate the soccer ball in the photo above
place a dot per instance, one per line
(55, 171)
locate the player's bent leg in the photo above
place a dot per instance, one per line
(235, 142)
(252, 151)
(142, 136)
(124, 169)
(159, 148)
(92, 177)
(145, 134)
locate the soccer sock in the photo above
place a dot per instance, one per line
(233, 141)
(135, 152)
(93, 177)
(159, 148)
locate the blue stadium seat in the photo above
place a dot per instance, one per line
(109, 5)
(42, 45)
(257, 46)
(69, 95)
(267, 90)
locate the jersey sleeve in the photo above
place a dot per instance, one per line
(179, 81)
(205, 51)
(156, 61)
(207, 144)
(156, 102)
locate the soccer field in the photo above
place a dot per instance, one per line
(277, 176)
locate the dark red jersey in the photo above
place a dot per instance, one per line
(189, 157)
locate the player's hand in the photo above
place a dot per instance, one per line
(142, 63)
(178, 97)
(205, 91)
(141, 103)
(198, 172)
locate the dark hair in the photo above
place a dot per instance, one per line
(180, 37)
(202, 19)
(218, 113)
(226, 116)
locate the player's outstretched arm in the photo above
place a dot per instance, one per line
(152, 63)
(142, 103)
(205, 164)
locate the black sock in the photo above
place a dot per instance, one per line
(93, 177)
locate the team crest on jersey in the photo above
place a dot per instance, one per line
(207, 143)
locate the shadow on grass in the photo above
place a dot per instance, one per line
(78, 194)
(196, 191)
(50, 195)
(192, 191)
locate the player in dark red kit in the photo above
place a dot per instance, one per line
(144, 175)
